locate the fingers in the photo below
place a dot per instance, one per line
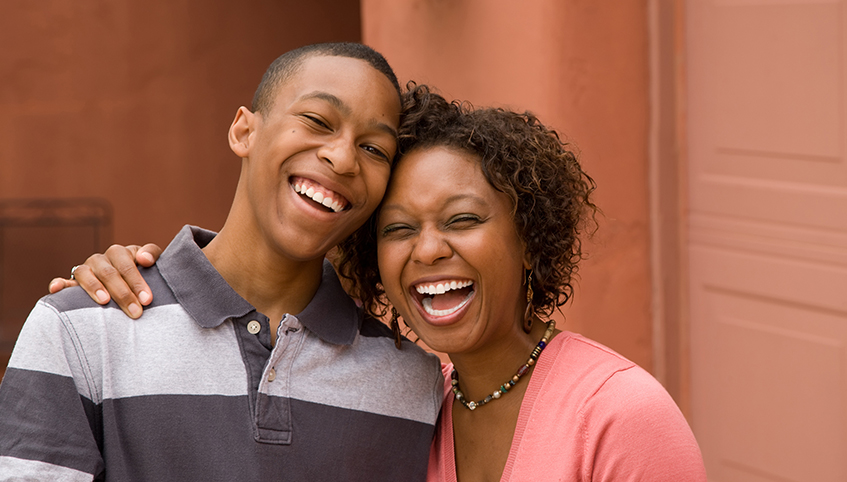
(117, 271)
(58, 284)
(115, 276)
(148, 254)
(89, 282)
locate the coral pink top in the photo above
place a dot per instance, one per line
(589, 414)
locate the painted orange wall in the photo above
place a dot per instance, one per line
(130, 101)
(582, 66)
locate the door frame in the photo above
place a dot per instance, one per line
(668, 192)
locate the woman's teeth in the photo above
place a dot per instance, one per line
(436, 289)
(441, 288)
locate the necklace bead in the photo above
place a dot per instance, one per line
(504, 388)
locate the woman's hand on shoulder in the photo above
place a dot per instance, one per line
(114, 275)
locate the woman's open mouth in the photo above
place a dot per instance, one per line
(443, 298)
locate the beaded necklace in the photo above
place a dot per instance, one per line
(504, 388)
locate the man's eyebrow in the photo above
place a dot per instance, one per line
(345, 109)
(385, 127)
(326, 96)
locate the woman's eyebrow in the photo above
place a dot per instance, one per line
(472, 198)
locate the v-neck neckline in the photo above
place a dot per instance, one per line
(539, 374)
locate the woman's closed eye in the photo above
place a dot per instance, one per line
(396, 229)
(464, 220)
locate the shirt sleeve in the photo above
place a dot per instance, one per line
(48, 419)
(634, 432)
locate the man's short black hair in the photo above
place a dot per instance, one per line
(288, 63)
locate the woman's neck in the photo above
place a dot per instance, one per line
(483, 371)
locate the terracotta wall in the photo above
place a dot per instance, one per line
(130, 101)
(582, 66)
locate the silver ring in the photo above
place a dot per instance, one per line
(73, 270)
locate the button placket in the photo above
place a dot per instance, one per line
(281, 356)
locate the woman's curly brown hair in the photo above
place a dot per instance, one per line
(520, 157)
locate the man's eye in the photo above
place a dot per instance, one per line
(317, 121)
(376, 151)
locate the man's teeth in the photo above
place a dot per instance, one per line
(427, 306)
(441, 288)
(319, 197)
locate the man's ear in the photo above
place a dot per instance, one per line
(242, 131)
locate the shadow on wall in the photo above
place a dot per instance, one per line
(39, 240)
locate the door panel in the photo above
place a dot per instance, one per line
(768, 238)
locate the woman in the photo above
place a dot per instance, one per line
(477, 238)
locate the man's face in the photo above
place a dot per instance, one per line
(317, 163)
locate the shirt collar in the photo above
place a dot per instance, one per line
(210, 301)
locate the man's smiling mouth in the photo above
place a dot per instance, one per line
(318, 194)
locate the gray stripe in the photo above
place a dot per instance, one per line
(13, 469)
(358, 379)
(163, 352)
(112, 356)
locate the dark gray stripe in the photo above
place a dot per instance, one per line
(180, 437)
(44, 418)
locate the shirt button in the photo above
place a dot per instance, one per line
(271, 375)
(254, 327)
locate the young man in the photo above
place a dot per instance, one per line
(251, 363)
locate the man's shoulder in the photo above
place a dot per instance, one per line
(75, 298)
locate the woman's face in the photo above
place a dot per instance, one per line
(450, 257)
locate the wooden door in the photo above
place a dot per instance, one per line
(768, 237)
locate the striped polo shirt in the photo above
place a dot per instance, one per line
(193, 390)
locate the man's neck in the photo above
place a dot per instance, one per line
(272, 284)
